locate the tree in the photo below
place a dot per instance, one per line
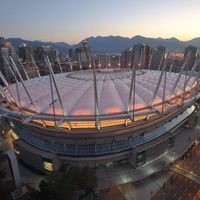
(171, 179)
(72, 177)
(3, 158)
(59, 186)
(88, 179)
(54, 187)
(164, 186)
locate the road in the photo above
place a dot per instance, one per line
(184, 188)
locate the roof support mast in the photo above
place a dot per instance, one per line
(180, 73)
(10, 69)
(61, 71)
(96, 103)
(25, 72)
(193, 69)
(161, 61)
(8, 88)
(150, 59)
(35, 65)
(158, 84)
(130, 93)
(58, 93)
(22, 81)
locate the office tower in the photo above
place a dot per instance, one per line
(139, 54)
(47, 50)
(25, 53)
(127, 57)
(7, 50)
(104, 61)
(157, 58)
(192, 56)
(72, 55)
(84, 56)
(2, 41)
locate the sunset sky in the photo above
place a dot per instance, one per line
(74, 20)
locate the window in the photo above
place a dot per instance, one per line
(48, 166)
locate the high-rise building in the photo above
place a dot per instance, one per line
(2, 41)
(145, 56)
(47, 50)
(7, 50)
(127, 56)
(191, 52)
(25, 53)
(157, 57)
(139, 54)
(84, 55)
(73, 55)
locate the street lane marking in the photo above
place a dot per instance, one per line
(185, 189)
(180, 198)
(175, 194)
(194, 186)
(189, 194)
(181, 186)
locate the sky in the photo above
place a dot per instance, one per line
(72, 21)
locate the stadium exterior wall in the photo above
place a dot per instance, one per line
(139, 155)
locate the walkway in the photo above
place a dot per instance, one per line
(116, 175)
(185, 173)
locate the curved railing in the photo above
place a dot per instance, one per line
(95, 150)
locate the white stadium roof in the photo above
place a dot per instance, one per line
(77, 92)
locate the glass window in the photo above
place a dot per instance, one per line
(48, 166)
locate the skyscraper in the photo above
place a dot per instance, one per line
(139, 54)
(6, 50)
(25, 52)
(84, 55)
(191, 57)
(157, 56)
(2, 41)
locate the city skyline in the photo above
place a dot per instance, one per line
(72, 21)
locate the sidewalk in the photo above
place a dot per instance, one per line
(27, 176)
(150, 183)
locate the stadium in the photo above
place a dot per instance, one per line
(97, 117)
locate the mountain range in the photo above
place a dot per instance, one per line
(113, 44)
